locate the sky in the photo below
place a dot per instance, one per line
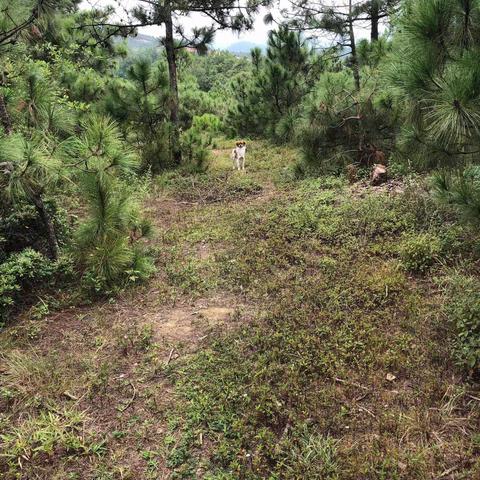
(223, 38)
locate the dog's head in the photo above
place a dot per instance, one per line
(240, 144)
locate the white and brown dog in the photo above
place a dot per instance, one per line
(238, 155)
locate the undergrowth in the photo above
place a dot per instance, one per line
(352, 351)
(347, 342)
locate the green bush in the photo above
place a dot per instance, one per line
(107, 240)
(463, 309)
(419, 252)
(328, 141)
(197, 140)
(19, 273)
(195, 150)
(21, 227)
(306, 215)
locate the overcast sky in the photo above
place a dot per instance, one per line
(223, 38)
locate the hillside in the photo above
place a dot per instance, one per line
(142, 41)
(259, 265)
(281, 336)
(244, 47)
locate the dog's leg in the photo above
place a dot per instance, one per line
(243, 163)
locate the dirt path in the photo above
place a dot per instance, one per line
(111, 360)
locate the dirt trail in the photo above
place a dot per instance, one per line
(111, 358)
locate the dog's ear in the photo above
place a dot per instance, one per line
(238, 143)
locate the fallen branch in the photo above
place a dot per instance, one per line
(354, 384)
(129, 403)
(363, 409)
(447, 472)
(170, 356)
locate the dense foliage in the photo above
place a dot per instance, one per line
(81, 120)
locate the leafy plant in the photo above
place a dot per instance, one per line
(463, 309)
(17, 273)
(419, 252)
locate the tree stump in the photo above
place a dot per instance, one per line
(352, 173)
(379, 174)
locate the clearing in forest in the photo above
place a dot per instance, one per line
(284, 336)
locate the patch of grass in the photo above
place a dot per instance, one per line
(419, 252)
(339, 367)
(336, 306)
(206, 188)
(463, 310)
(32, 378)
(189, 274)
(39, 438)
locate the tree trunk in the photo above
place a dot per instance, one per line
(375, 18)
(353, 46)
(47, 222)
(5, 119)
(172, 74)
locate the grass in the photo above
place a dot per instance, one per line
(337, 360)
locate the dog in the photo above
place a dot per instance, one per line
(238, 155)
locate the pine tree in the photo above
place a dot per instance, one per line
(436, 69)
(26, 171)
(269, 102)
(339, 23)
(107, 239)
(29, 166)
(140, 102)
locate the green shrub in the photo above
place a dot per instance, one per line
(305, 216)
(107, 240)
(461, 191)
(330, 134)
(419, 252)
(195, 150)
(463, 309)
(20, 273)
(376, 215)
(197, 140)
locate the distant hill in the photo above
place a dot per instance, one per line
(142, 41)
(243, 47)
